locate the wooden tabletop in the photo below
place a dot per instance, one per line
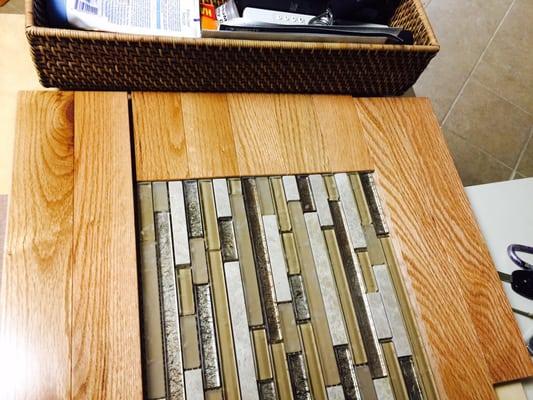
(69, 294)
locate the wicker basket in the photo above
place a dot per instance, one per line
(75, 59)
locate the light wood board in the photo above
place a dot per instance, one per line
(69, 299)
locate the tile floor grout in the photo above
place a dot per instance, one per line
(480, 149)
(477, 64)
(500, 96)
(521, 155)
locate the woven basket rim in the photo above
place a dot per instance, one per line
(33, 30)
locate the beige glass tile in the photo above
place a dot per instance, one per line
(160, 196)
(214, 394)
(490, 123)
(368, 273)
(291, 338)
(265, 196)
(263, 362)
(282, 371)
(395, 373)
(186, 291)
(198, 261)
(374, 249)
(144, 191)
(210, 215)
(318, 387)
(223, 323)
(316, 305)
(281, 204)
(354, 334)
(360, 199)
(189, 342)
(289, 245)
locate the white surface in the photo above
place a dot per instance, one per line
(504, 212)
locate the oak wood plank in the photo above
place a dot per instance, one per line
(344, 141)
(459, 296)
(301, 138)
(209, 136)
(160, 145)
(256, 133)
(105, 326)
(35, 297)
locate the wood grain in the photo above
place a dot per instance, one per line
(344, 141)
(3, 223)
(166, 140)
(35, 297)
(460, 308)
(105, 328)
(257, 154)
(210, 144)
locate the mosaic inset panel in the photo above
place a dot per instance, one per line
(272, 288)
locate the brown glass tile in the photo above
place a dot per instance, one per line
(318, 387)
(230, 378)
(395, 373)
(193, 209)
(366, 385)
(312, 287)
(281, 371)
(368, 273)
(263, 362)
(281, 204)
(262, 260)
(360, 199)
(356, 342)
(228, 244)
(198, 261)
(289, 245)
(410, 377)
(189, 342)
(291, 338)
(246, 261)
(306, 195)
(299, 376)
(210, 215)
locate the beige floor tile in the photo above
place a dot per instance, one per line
(475, 167)
(507, 65)
(13, 7)
(463, 29)
(525, 168)
(490, 123)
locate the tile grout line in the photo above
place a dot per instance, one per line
(480, 149)
(477, 63)
(521, 155)
(501, 97)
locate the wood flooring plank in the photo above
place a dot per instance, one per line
(429, 223)
(341, 129)
(160, 145)
(257, 136)
(301, 137)
(35, 297)
(210, 144)
(105, 327)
